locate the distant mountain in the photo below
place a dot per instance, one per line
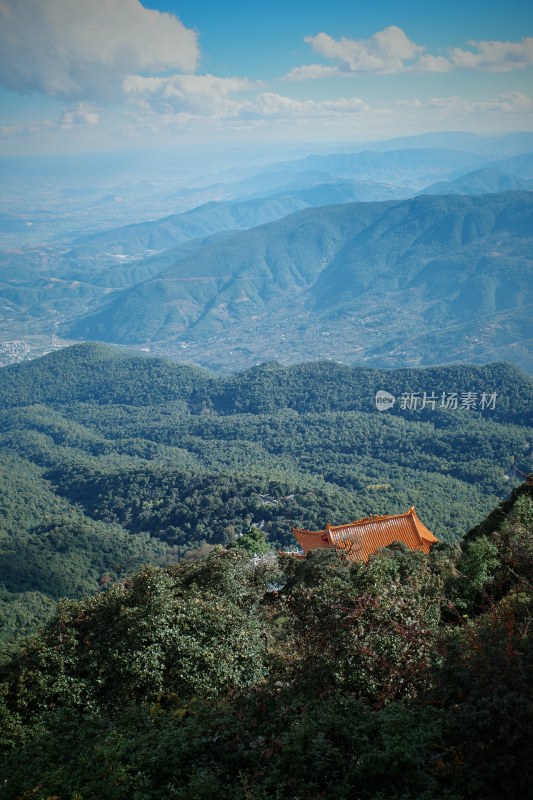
(412, 160)
(520, 165)
(262, 184)
(510, 144)
(482, 181)
(216, 217)
(46, 281)
(419, 281)
(408, 167)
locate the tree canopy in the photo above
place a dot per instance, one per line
(231, 677)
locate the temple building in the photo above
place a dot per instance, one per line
(359, 540)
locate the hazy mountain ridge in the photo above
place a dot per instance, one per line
(483, 181)
(521, 165)
(371, 274)
(50, 281)
(217, 217)
(508, 145)
(46, 288)
(71, 196)
(400, 167)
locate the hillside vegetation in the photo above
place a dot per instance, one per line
(112, 460)
(407, 678)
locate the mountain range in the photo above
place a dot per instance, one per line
(144, 238)
(482, 181)
(341, 256)
(424, 280)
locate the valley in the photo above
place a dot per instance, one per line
(108, 460)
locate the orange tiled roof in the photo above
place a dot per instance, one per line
(360, 539)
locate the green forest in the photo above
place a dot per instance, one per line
(110, 460)
(230, 678)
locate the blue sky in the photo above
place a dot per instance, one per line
(115, 74)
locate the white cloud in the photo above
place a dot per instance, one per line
(385, 52)
(504, 104)
(390, 51)
(432, 64)
(83, 49)
(35, 128)
(200, 95)
(77, 118)
(80, 114)
(508, 103)
(313, 71)
(494, 56)
(170, 110)
(275, 105)
(191, 99)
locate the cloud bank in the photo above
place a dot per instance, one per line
(390, 52)
(173, 110)
(84, 49)
(494, 56)
(87, 52)
(187, 94)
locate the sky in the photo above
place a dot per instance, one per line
(107, 75)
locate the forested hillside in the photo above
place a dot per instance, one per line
(407, 678)
(420, 281)
(111, 460)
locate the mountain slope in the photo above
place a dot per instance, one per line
(216, 217)
(94, 410)
(366, 277)
(407, 167)
(109, 460)
(482, 181)
(521, 165)
(404, 678)
(111, 376)
(41, 286)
